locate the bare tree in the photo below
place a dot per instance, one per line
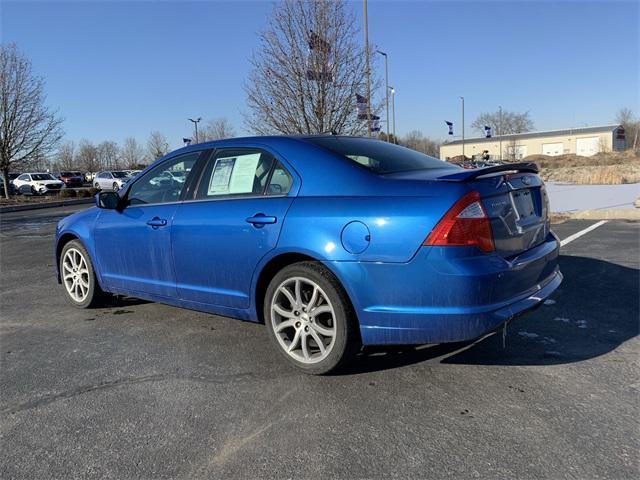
(504, 122)
(88, 156)
(157, 146)
(65, 158)
(29, 130)
(417, 141)
(216, 129)
(631, 125)
(132, 154)
(108, 155)
(307, 71)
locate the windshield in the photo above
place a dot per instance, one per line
(42, 176)
(119, 174)
(378, 156)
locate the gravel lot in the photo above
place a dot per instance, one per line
(150, 391)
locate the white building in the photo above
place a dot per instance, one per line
(585, 141)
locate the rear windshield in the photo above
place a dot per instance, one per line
(378, 156)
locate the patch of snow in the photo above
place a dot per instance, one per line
(570, 198)
(549, 301)
(581, 323)
(561, 319)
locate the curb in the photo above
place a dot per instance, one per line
(38, 206)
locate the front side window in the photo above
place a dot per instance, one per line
(42, 176)
(163, 183)
(237, 172)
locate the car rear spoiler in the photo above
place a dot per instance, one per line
(468, 175)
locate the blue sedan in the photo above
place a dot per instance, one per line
(332, 242)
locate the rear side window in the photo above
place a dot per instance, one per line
(280, 182)
(235, 172)
(377, 156)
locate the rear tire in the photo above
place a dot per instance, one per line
(97, 185)
(78, 276)
(310, 318)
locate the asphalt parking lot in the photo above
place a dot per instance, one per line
(144, 390)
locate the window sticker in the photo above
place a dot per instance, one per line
(244, 173)
(219, 182)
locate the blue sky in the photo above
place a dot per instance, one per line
(120, 68)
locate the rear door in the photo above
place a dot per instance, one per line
(234, 219)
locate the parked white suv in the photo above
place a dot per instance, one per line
(111, 180)
(39, 183)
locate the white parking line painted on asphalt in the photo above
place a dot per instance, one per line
(571, 238)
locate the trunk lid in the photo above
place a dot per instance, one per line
(513, 196)
(515, 200)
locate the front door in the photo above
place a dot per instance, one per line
(133, 245)
(235, 219)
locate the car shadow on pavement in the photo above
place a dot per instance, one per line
(112, 301)
(595, 310)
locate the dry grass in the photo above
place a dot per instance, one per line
(611, 168)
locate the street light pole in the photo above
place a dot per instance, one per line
(393, 108)
(462, 98)
(195, 123)
(367, 71)
(386, 90)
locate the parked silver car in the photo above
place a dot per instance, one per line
(110, 180)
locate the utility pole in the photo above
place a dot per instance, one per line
(462, 98)
(393, 108)
(386, 89)
(195, 123)
(367, 71)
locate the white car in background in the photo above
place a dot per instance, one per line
(110, 180)
(38, 183)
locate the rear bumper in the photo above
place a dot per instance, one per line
(447, 294)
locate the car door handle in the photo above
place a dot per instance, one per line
(156, 222)
(259, 220)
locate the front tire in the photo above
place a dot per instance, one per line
(115, 187)
(78, 277)
(310, 318)
(97, 185)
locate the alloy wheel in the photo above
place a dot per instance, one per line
(303, 320)
(75, 274)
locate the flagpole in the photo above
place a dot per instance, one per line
(386, 90)
(500, 126)
(393, 107)
(367, 71)
(462, 98)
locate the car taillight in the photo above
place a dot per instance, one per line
(465, 224)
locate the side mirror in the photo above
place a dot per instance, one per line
(108, 200)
